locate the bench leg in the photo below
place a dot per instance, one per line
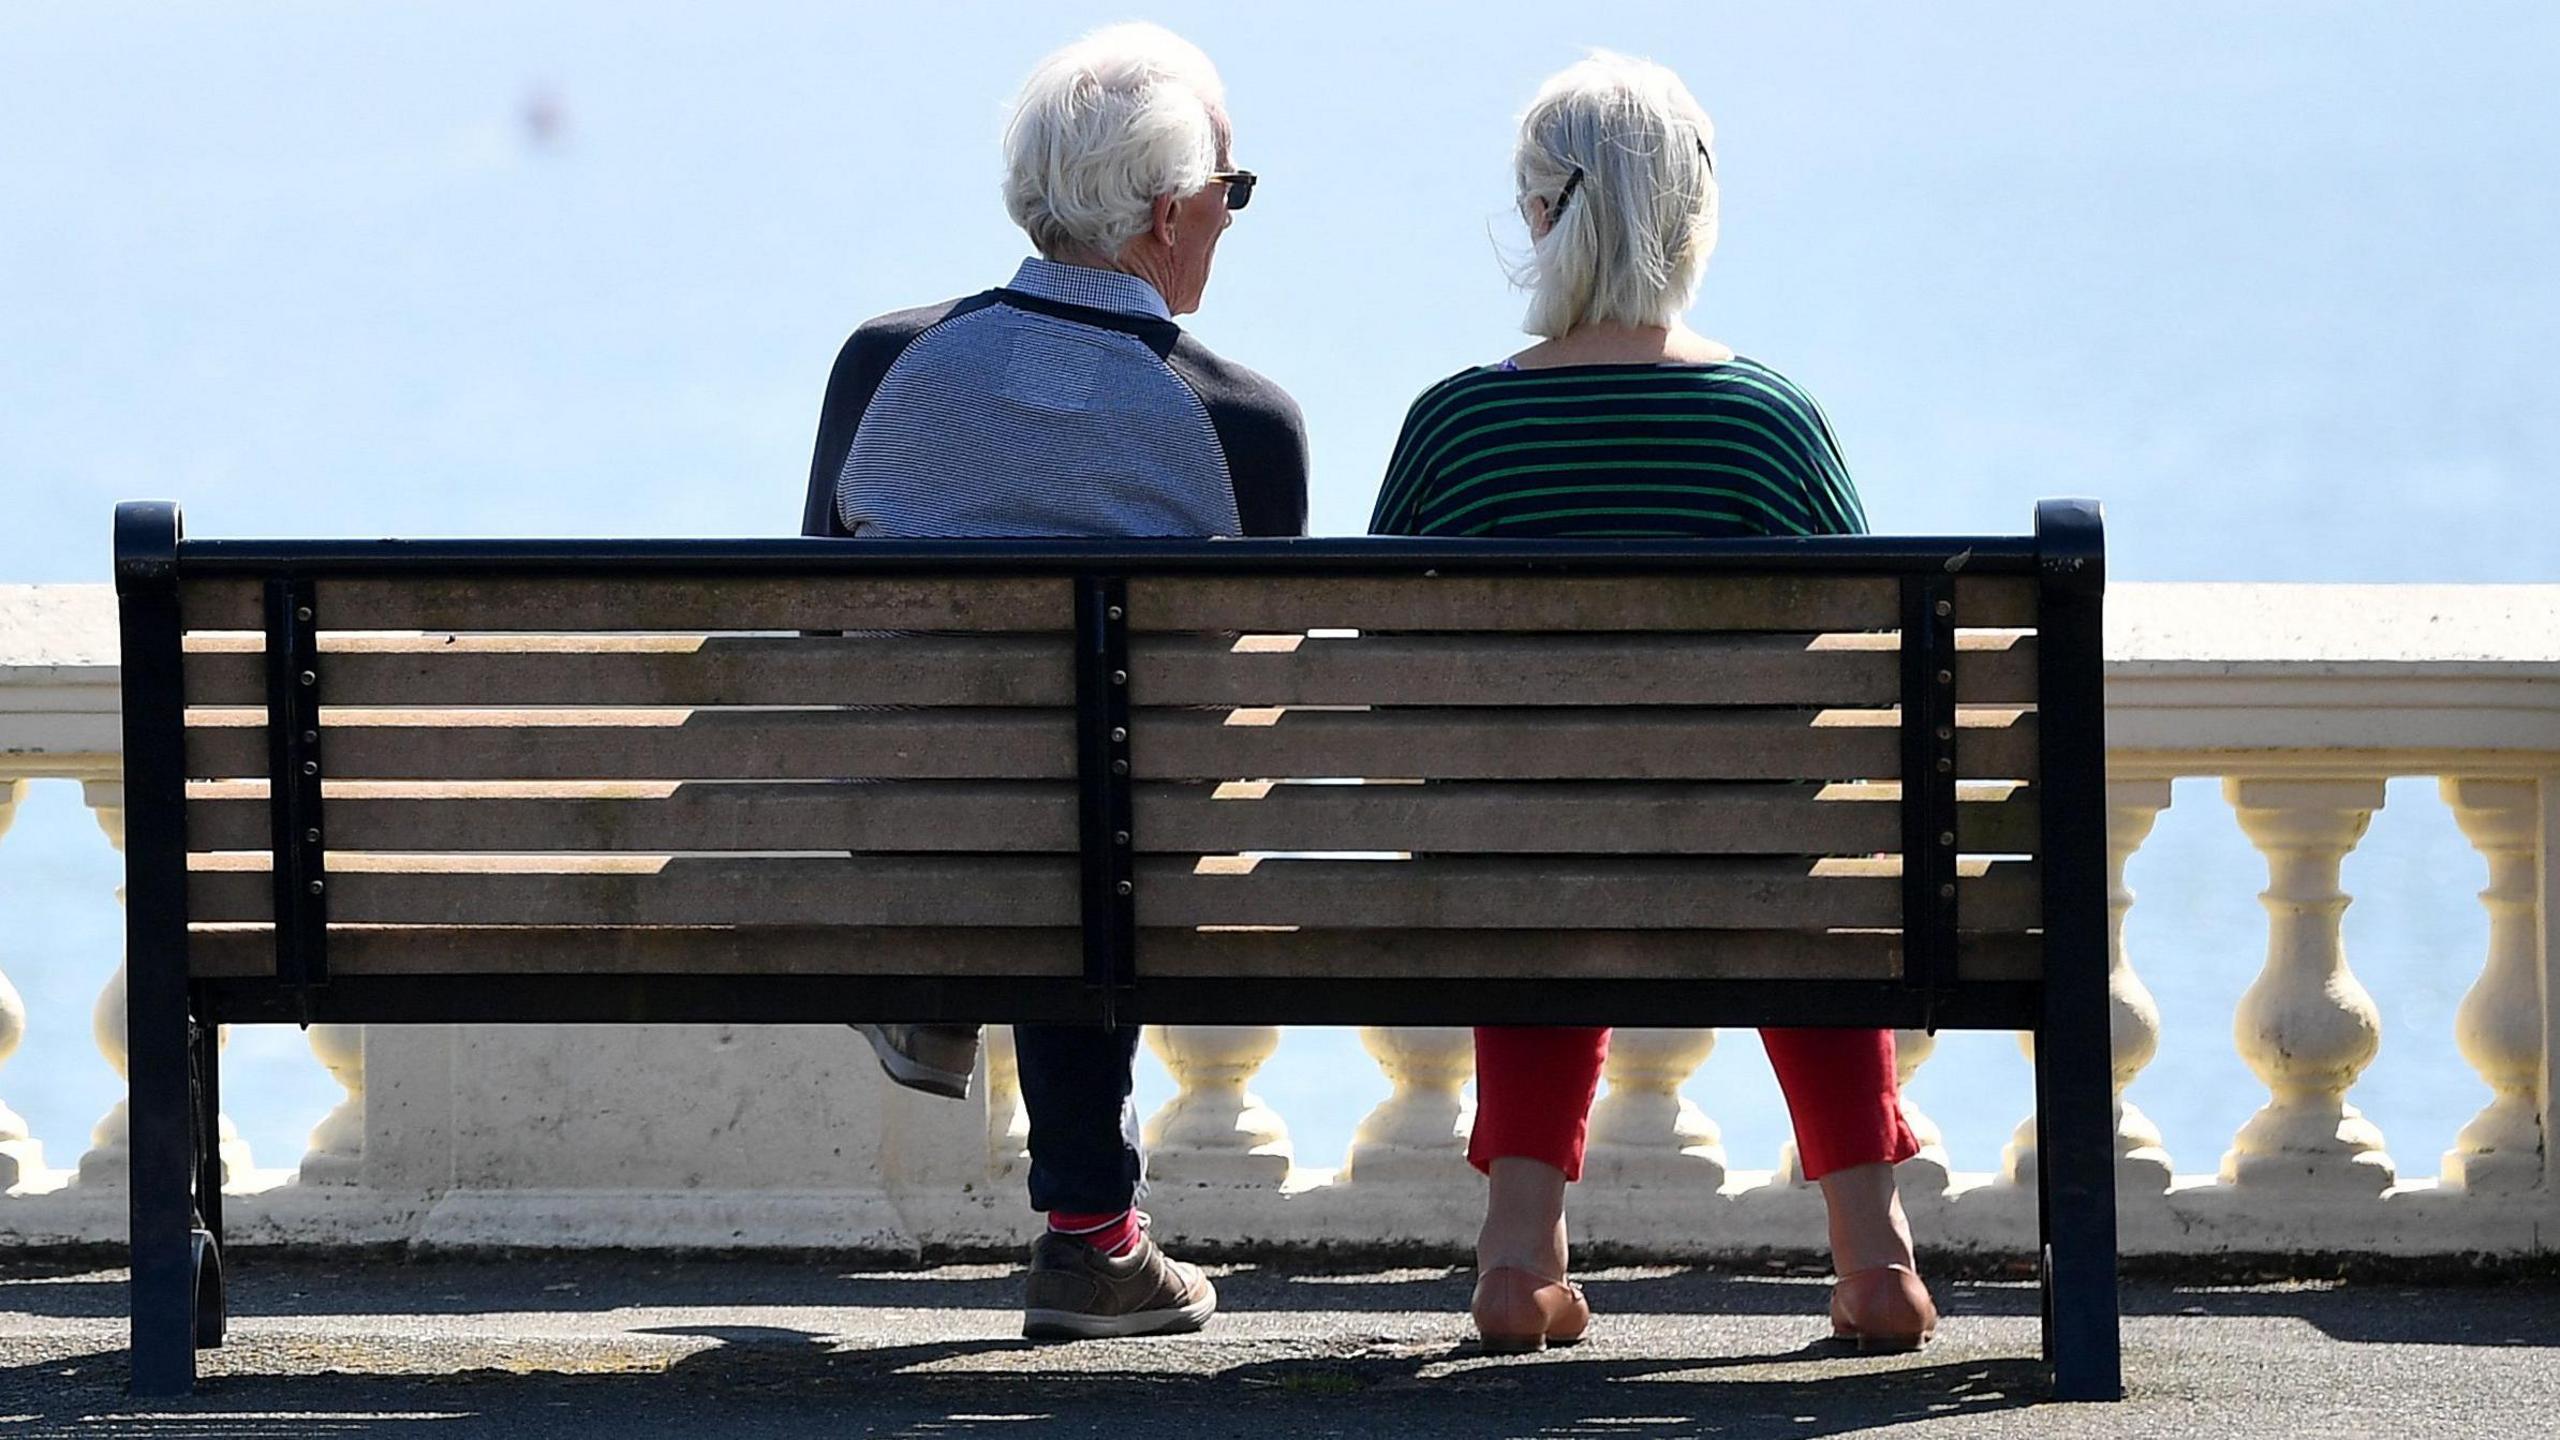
(2076, 1194)
(161, 1043)
(161, 1100)
(204, 1057)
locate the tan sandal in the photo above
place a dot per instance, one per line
(1518, 1312)
(1883, 1308)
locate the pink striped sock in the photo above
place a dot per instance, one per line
(1113, 1232)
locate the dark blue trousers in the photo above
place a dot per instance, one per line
(1075, 1088)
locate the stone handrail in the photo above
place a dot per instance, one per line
(2302, 699)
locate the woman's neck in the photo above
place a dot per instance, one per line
(1673, 344)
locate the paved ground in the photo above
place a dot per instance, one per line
(591, 1346)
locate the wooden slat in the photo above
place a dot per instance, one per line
(894, 891)
(664, 745)
(1619, 744)
(604, 670)
(1260, 603)
(1997, 745)
(1604, 669)
(226, 951)
(1460, 955)
(1557, 817)
(1015, 603)
(220, 605)
(1500, 894)
(1995, 602)
(1036, 816)
(1467, 602)
(1514, 745)
(1553, 893)
(1628, 744)
(607, 670)
(2000, 957)
(1995, 668)
(657, 817)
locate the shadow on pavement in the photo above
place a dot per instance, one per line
(281, 1285)
(775, 1380)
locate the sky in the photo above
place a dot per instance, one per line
(2274, 281)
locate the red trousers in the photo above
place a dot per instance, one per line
(1534, 1087)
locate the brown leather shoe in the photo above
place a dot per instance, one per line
(1883, 1308)
(936, 1059)
(1078, 1293)
(1518, 1312)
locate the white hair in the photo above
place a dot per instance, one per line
(1633, 237)
(1104, 127)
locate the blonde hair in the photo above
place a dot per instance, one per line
(1104, 127)
(1629, 238)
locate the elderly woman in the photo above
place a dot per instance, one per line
(1623, 421)
(1068, 402)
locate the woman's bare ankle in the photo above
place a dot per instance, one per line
(1524, 1219)
(1868, 1227)
(1530, 1242)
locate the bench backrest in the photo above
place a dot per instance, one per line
(1056, 778)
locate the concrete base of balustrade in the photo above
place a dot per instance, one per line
(1750, 1218)
(275, 1210)
(860, 1222)
(265, 1208)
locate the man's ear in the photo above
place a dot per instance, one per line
(1160, 222)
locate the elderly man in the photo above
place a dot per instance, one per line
(1068, 403)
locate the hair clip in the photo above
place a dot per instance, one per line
(1565, 197)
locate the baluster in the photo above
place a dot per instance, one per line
(21, 1154)
(1008, 1124)
(1927, 1172)
(1419, 1132)
(110, 1139)
(2307, 1027)
(2499, 1027)
(1923, 1174)
(2133, 1017)
(109, 1147)
(1644, 1131)
(335, 1155)
(1214, 1130)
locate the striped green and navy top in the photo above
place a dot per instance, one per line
(1638, 451)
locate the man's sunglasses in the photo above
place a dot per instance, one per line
(1239, 187)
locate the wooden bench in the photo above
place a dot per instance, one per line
(1844, 781)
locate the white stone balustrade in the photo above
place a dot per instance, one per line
(1644, 1132)
(2133, 1017)
(1929, 1171)
(1008, 1127)
(2500, 1024)
(21, 1154)
(1418, 1134)
(2307, 1027)
(2302, 701)
(1214, 1130)
(110, 1139)
(336, 1152)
